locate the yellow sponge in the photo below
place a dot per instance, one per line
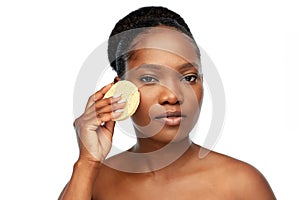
(130, 93)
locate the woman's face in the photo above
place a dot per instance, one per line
(165, 67)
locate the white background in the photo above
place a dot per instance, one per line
(254, 45)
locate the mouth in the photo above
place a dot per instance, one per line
(171, 118)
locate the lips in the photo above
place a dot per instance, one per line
(171, 118)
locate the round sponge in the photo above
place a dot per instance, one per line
(129, 92)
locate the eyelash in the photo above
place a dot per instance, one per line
(146, 78)
(193, 78)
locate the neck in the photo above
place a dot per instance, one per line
(154, 155)
(148, 145)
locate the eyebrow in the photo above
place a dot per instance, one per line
(189, 65)
(158, 67)
(152, 66)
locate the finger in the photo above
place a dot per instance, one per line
(105, 138)
(101, 116)
(110, 126)
(92, 122)
(98, 95)
(106, 117)
(108, 102)
(111, 108)
(90, 102)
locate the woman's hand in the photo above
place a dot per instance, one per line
(95, 126)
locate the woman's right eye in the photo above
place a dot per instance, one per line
(148, 79)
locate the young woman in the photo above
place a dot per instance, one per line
(153, 48)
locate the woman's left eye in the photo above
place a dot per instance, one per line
(190, 78)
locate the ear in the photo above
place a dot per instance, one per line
(117, 79)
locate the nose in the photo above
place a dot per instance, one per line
(171, 95)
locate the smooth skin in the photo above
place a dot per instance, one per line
(215, 176)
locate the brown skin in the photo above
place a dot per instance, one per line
(215, 176)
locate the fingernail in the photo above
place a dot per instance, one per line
(116, 114)
(122, 101)
(116, 96)
(119, 110)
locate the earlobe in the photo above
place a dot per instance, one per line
(117, 79)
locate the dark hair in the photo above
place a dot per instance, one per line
(135, 23)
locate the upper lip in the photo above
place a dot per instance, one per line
(170, 114)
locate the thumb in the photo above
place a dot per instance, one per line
(110, 126)
(106, 131)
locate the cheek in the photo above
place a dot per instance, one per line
(198, 93)
(193, 99)
(147, 101)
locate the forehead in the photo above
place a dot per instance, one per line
(163, 46)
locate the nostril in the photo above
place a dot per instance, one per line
(170, 96)
(171, 102)
(171, 99)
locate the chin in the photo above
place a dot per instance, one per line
(162, 133)
(169, 135)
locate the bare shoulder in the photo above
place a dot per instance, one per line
(112, 168)
(246, 181)
(108, 176)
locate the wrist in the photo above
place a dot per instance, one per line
(87, 163)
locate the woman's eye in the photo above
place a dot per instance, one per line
(190, 78)
(148, 79)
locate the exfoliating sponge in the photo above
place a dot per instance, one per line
(130, 93)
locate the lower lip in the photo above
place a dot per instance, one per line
(171, 121)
